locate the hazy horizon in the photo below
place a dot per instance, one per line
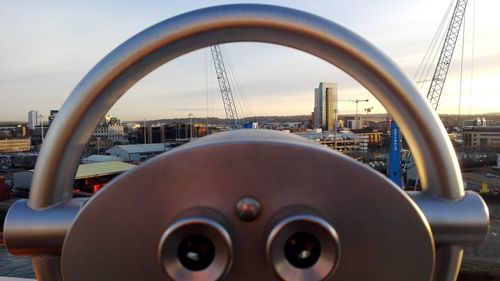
(201, 118)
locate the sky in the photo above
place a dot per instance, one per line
(47, 47)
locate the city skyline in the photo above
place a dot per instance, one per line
(47, 49)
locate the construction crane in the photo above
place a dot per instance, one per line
(368, 110)
(356, 118)
(444, 61)
(394, 170)
(232, 119)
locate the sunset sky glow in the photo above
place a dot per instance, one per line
(48, 46)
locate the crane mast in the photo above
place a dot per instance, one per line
(357, 124)
(444, 61)
(356, 118)
(225, 88)
(436, 88)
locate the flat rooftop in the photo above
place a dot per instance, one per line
(102, 169)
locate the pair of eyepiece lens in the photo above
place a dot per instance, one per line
(299, 247)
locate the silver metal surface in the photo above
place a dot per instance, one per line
(248, 208)
(126, 220)
(448, 260)
(29, 232)
(127, 64)
(47, 268)
(168, 253)
(460, 223)
(303, 223)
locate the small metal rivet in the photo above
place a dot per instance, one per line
(248, 208)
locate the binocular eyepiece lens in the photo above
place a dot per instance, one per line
(195, 248)
(196, 252)
(302, 250)
(303, 247)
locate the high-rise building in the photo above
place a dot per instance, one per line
(317, 109)
(325, 106)
(33, 120)
(52, 116)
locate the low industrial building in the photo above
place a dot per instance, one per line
(15, 145)
(172, 132)
(136, 153)
(22, 180)
(89, 178)
(342, 141)
(372, 137)
(95, 158)
(481, 137)
(92, 177)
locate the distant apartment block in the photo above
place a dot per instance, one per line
(33, 119)
(52, 116)
(481, 137)
(325, 106)
(171, 132)
(478, 122)
(112, 129)
(37, 123)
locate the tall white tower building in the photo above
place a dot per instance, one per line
(325, 106)
(33, 120)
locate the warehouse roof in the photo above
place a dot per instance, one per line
(102, 169)
(99, 158)
(142, 148)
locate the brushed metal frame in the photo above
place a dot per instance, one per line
(47, 229)
(151, 48)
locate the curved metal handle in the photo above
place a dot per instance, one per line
(169, 39)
